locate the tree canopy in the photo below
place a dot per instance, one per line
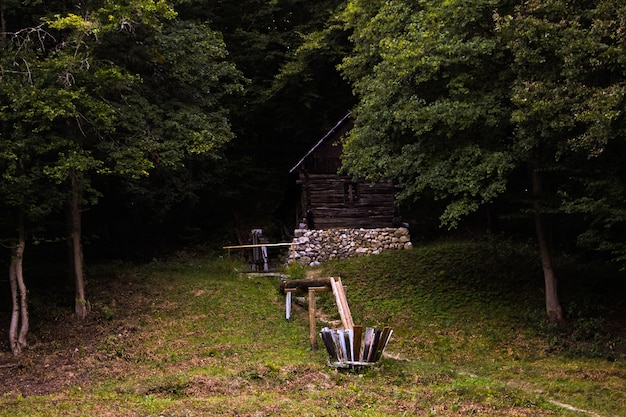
(138, 88)
(432, 83)
(568, 108)
(456, 98)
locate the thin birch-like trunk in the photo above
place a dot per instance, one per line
(19, 295)
(15, 311)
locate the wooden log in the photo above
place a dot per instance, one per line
(345, 219)
(349, 340)
(371, 355)
(301, 286)
(341, 357)
(344, 345)
(344, 349)
(342, 307)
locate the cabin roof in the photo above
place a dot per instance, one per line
(319, 143)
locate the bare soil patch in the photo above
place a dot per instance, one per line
(49, 365)
(64, 351)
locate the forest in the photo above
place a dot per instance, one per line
(132, 127)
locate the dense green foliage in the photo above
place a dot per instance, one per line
(568, 108)
(458, 100)
(83, 103)
(431, 80)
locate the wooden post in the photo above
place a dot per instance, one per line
(288, 306)
(312, 331)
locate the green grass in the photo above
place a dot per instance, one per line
(190, 337)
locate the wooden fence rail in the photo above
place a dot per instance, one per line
(263, 245)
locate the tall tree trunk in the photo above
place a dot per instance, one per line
(81, 306)
(3, 25)
(553, 305)
(19, 294)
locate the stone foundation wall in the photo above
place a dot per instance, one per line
(315, 246)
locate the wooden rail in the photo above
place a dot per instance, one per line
(259, 245)
(263, 245)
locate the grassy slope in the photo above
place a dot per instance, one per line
(190, 338)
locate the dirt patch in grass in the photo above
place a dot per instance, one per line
(64, 351)
(50, 365)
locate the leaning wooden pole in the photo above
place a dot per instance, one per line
(342, 303)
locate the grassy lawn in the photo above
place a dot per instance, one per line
(191, 337)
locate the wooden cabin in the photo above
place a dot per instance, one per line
(329, 200)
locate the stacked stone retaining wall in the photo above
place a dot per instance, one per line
(315, 246)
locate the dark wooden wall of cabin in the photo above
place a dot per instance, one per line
(326, 158)
(324, 196)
